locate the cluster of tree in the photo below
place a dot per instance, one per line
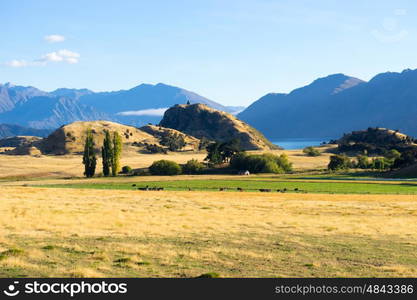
(311, 151)
(339, 162)
(154, 148)
(342, 162)
(111, 152)
(231, 152)
(168, 167)
(261, 163)
(173, 141)
(222, 152)
(407, 158)
(391, 159)
(204, 142)
(193, 166)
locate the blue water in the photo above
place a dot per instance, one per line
(300, 143)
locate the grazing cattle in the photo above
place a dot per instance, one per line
(278, 190)
(296, 189)
(146, 188)
(221, 189)
(285, 189)
(240, 189)
(265, 190)
(160, 189)
(134, 184)
(190, 189)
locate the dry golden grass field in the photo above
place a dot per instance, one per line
(71, 232)
(70, 165)
(92, 233)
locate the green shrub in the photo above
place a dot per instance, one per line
(221, 152)
(310, 151)
(173, 141)
(153, 148)
(261, 163)
(363, 162)
(339, 162)
(165, 167)
(192, 166)
(381, 163)
(126, 170)
(393, 154)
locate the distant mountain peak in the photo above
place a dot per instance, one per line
(9, 85)
(337, 103)
(328, 85)
(71, 93)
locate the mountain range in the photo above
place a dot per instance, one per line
(31, 107)
(9, 130)
(325, 109)
(336, 104)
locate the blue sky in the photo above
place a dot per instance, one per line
(229, 51)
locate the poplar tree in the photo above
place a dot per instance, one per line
(107, 153)
(89, 156)
(117, 151)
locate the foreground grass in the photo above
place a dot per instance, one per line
(309, 186)
(120, 233)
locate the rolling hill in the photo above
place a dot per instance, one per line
(70, 138)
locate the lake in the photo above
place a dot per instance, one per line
(298, 143)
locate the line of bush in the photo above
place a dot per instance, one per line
(261, 163)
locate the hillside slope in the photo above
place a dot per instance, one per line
(200, 121)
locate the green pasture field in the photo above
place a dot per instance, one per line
(310, 185)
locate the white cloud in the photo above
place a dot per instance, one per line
(156, 112)
(54, 38)
(17, 63)
(63, 55)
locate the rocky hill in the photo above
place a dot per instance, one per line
(200, 121)
(375, 141)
